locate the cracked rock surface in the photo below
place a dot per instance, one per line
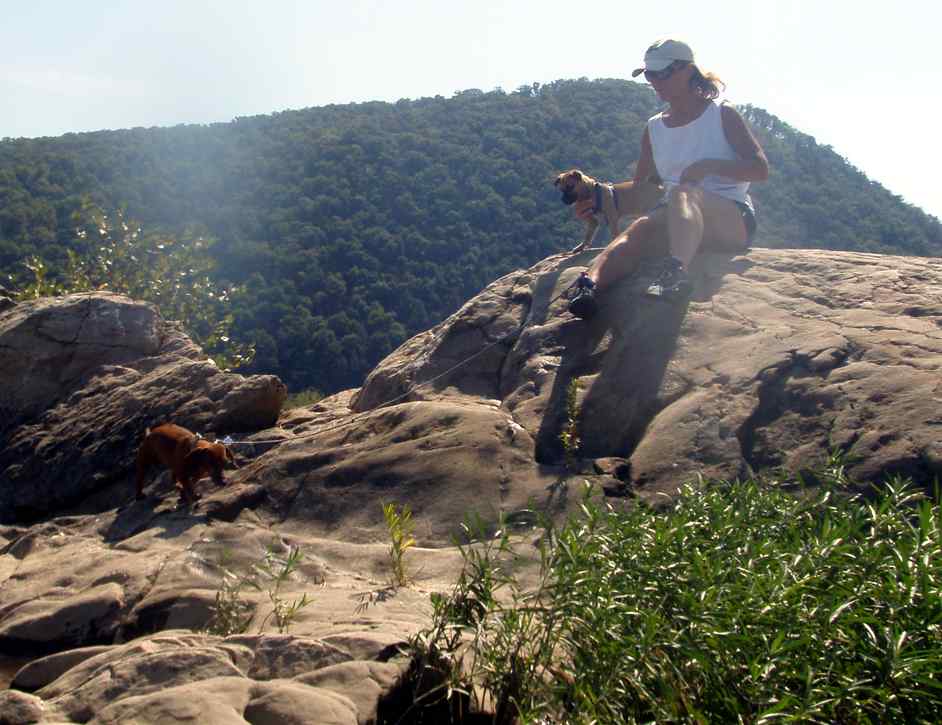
(104, 617)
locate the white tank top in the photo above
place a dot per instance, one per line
(703, 138)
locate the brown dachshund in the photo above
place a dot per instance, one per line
(189, 456)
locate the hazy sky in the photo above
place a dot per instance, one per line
(859, 75)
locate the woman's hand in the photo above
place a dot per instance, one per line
(696, 172)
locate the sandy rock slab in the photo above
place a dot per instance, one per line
(182, 677)
(70, 583)
(120, 602)
(113, 609)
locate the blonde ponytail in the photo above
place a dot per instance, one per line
(707, 85)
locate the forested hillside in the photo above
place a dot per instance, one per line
(352, 227)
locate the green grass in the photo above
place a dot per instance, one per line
(745, 602)
(303, 399)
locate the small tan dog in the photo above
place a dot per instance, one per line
(612, 201)
(186, 454)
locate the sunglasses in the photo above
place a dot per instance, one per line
(663, 75)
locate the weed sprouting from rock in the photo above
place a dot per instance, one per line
(232, 614)
(399, 526)
(569, 435)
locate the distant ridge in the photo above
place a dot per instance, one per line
(355, 226)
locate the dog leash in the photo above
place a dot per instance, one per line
(228, 440)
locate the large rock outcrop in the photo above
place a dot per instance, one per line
(780, 357)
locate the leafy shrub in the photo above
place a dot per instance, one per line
(744, 602)
(173, 273)
(303, 399)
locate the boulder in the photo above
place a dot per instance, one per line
(19, 708)
(781, 357)
(81, 379)
(49, 346)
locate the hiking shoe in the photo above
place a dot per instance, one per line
(671, 283)
(583, 304)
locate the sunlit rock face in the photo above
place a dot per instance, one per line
(780, 358)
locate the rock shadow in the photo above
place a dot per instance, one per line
(620, 359)
(135, 516)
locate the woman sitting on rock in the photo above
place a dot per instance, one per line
(706, 157)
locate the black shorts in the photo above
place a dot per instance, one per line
(749, 219)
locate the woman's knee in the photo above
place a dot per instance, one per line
(643, 228)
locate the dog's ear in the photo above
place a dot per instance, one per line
(568, 179)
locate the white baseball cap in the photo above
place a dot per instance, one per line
(662, 54)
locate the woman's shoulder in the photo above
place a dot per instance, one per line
(730, 114)
(727, 108)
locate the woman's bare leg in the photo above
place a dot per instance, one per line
(620, 258)
(696, 217)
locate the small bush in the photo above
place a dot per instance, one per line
(173, 273)
(743, 603)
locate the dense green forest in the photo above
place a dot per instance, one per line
(350, 228)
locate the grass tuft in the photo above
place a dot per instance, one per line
(232, 614)
(399, 526)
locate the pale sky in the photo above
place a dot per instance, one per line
(859, 75)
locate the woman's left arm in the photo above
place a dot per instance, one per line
(752, 165)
